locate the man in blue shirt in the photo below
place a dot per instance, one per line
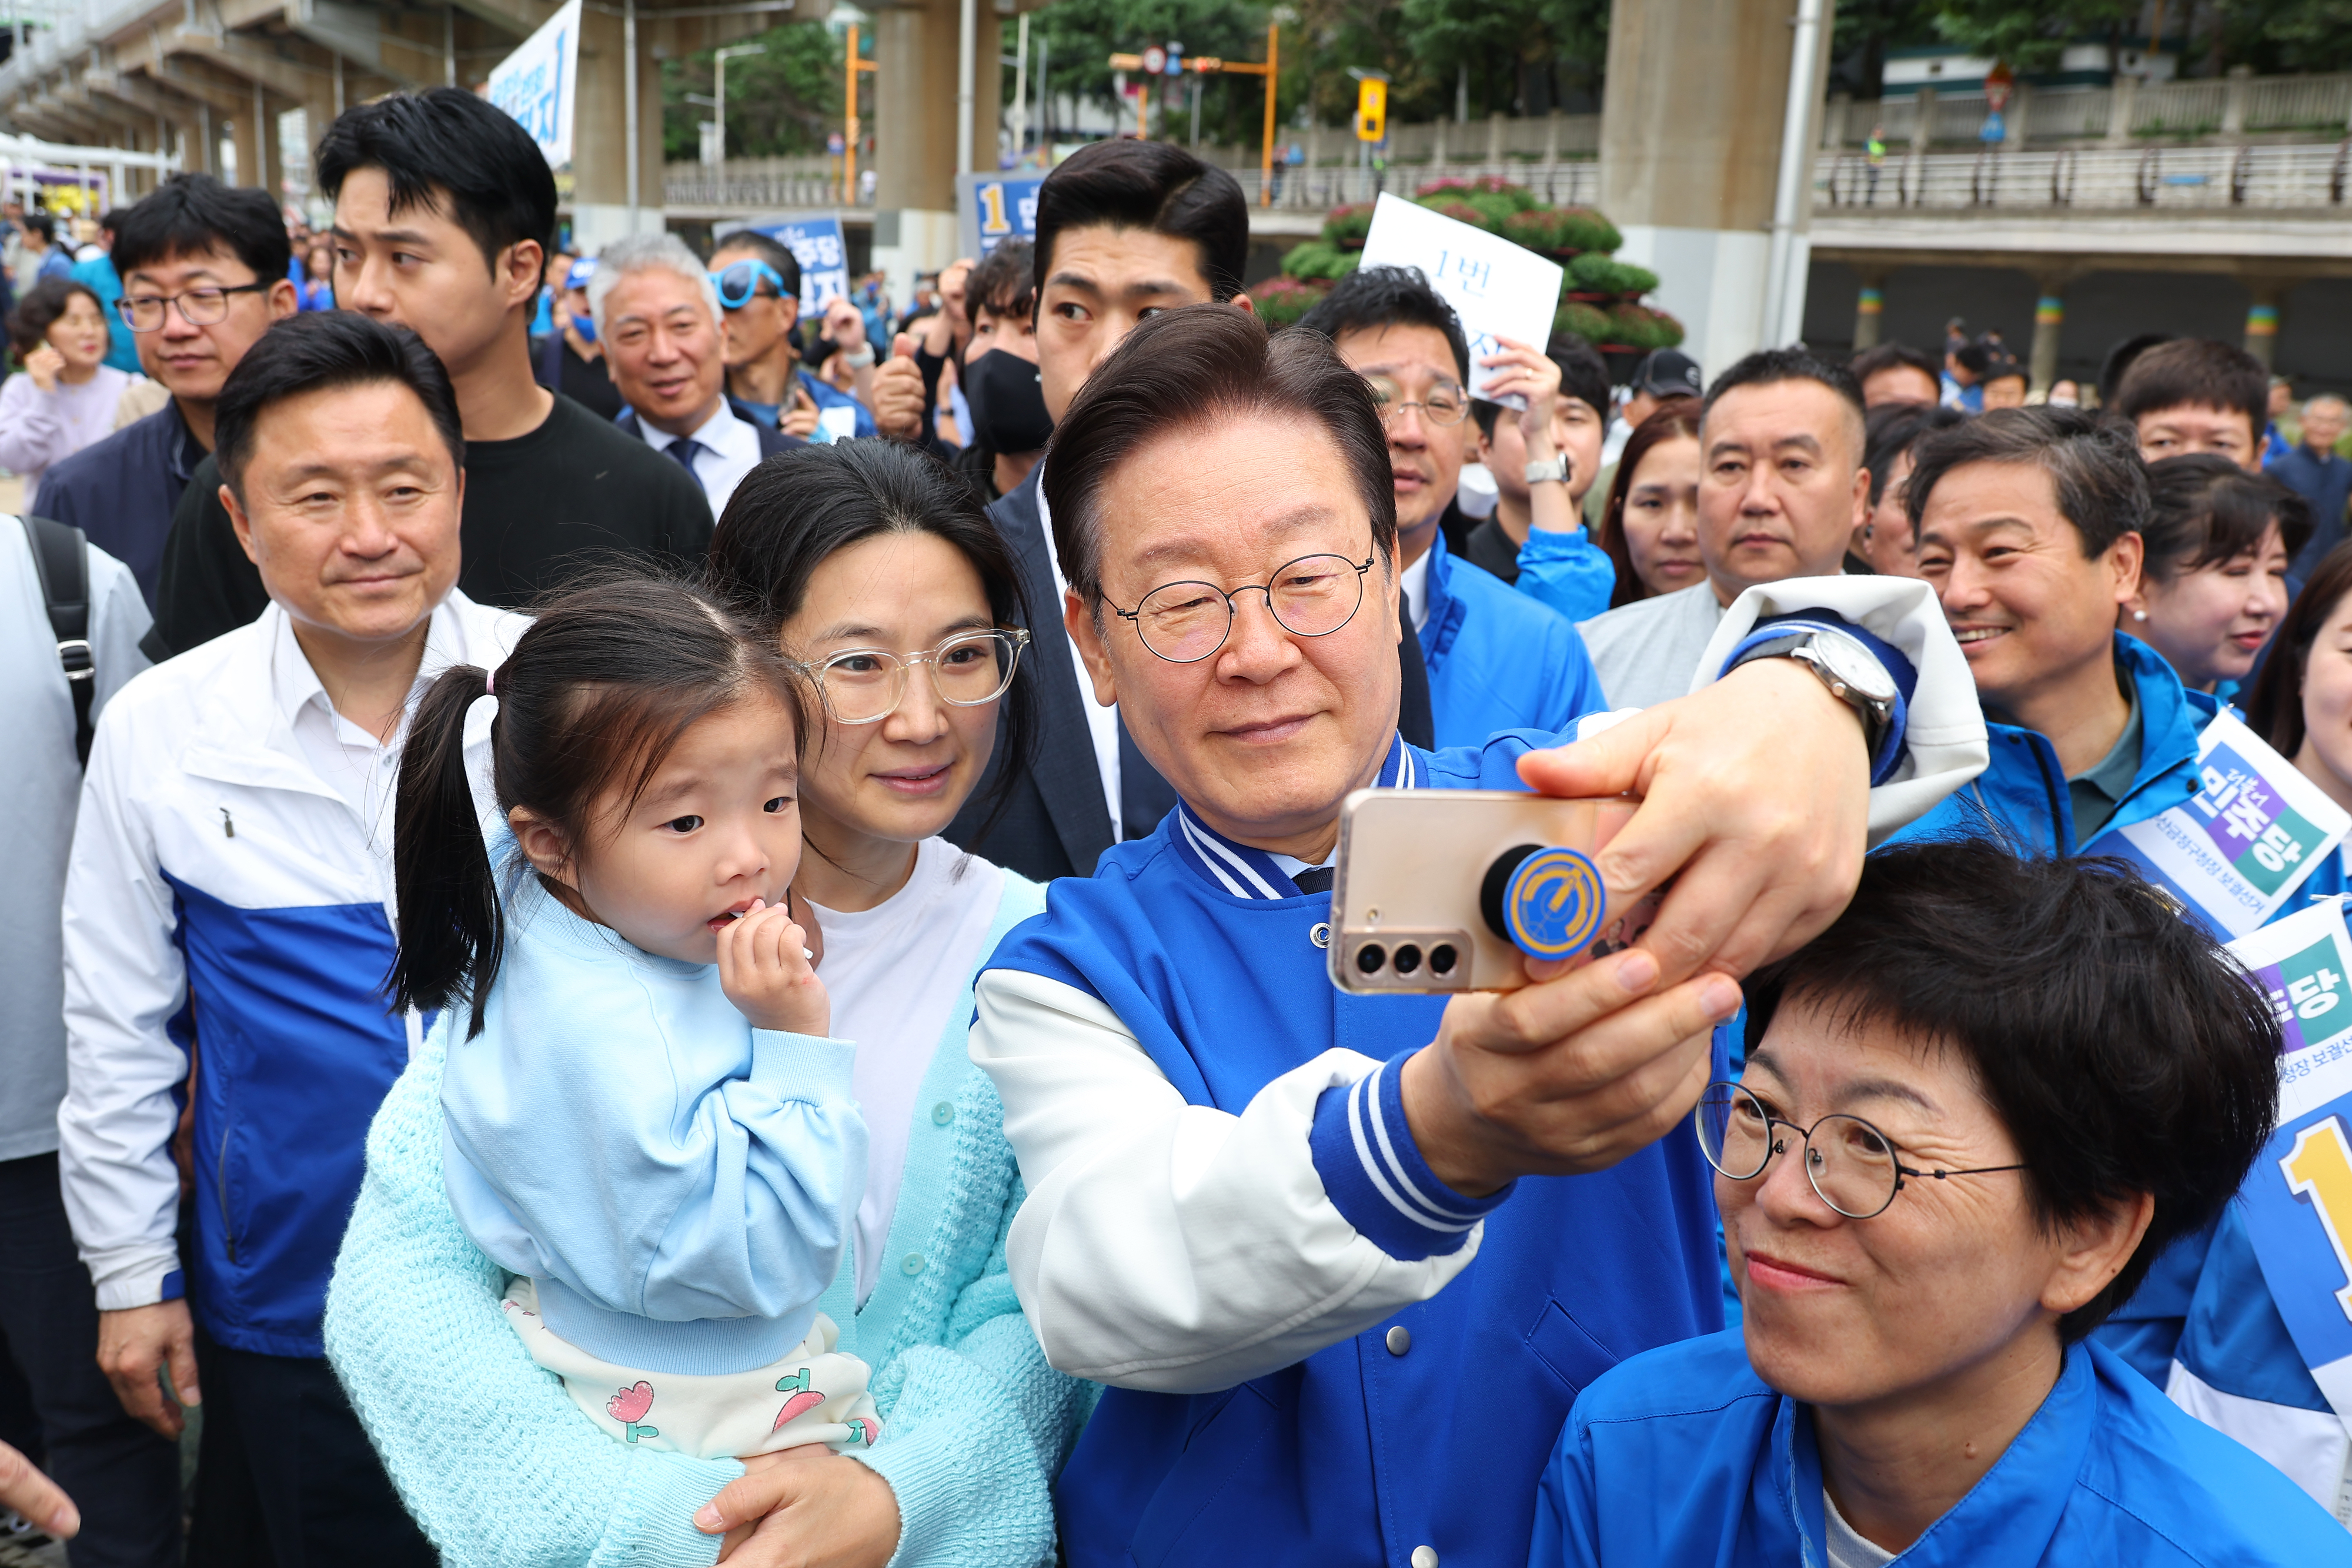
(1496, 658)
(1346, 1281)
(204, 269)
(2313, 469)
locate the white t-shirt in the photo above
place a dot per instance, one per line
(893, 973)
(1847, 1548)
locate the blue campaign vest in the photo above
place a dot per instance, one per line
(1354, 1455)
(1497, 659)
(1686, 1458)
(2022, 793)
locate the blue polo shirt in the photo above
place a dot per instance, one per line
(772, 414)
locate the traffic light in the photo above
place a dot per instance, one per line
(1371, 109)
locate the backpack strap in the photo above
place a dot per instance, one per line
(62, 560)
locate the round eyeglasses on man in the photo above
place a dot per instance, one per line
(1855, 1168)
(1446, 404)
(198, 307)
(1313, 595)
(865, 686)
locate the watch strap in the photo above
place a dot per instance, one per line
(1542, 473)
(1888, 749)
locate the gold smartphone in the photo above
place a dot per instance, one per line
(1448, 890)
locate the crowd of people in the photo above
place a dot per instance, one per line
(649, 929)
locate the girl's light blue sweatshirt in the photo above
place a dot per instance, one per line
(680, 1185)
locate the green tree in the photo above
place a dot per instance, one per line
(786, 101)
(2031, 36)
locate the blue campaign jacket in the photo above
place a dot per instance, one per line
(1686, 1458)
(1354, 1456)
(1498, 660)
(2022, 794)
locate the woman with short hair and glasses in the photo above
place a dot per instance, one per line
(1974, 1110)
(899, 603)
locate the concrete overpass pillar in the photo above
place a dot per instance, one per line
(1870, 310)
(599, 184)
(1689, 176)
(2048, 320)
(914, 120)
(2263, 319)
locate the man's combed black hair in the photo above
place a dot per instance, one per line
(446, 150)
(2199, 373)
(189, 214)
(1894, 429)
(2122, 1048)
(2092, 464)
(314, 351)
(1372, 298)
(1155, 187)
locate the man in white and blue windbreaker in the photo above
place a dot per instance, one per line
(227, 935)
(1346, 1283)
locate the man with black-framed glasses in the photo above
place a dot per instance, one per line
(1497, 659)
(204, 274)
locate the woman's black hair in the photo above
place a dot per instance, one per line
(2121, 1047)
(798, 508)
(2275, 707)
(28, 325)
(611, 673)
(2204, 510)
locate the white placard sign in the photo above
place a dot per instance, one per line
(1499, 289)
(2236, 851)
(538, 82)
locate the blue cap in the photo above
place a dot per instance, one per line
(581, 271)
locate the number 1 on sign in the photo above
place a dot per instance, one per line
(993, 220)
(2320, 1167)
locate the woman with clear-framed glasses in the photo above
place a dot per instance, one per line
(900, 602)
(1973, 1112)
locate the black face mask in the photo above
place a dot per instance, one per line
(1008, 403)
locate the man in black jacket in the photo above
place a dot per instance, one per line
(444, 211)
(1125, 230)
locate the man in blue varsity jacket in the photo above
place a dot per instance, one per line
(1346, 1283)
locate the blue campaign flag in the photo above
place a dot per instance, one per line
(816, 244)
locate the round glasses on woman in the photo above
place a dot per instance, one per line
(1855, 1168)
(1313, 596)
(865, 686)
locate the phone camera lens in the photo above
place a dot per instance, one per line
(1408, 959)
(1370, 957)
(1442, 958)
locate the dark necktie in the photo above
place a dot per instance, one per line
(684, 452)
(1314, 879)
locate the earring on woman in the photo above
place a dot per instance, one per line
(2139, 614)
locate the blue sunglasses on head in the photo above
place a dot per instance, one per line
(738, 282)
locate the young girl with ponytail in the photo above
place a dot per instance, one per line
(870, 570)
(643, 1118)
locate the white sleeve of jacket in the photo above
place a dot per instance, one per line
(124, 979)
(1944, 731)
(1153, 1228)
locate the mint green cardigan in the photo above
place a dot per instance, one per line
(500, 1468)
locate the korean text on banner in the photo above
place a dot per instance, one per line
(537, 83)
(1499, 289)
(993, 208)
(817, 245)
(2298, 1197)
(2237, 851)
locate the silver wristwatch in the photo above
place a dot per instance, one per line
(1849, 671)
(1542, 473)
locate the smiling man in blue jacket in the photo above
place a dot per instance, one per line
(1347, 1260)
(1496, 658)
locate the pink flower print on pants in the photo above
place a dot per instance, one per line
(629, 1407)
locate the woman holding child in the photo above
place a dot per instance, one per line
(864, 572)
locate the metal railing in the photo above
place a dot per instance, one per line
(2123, 179)
(1569, 182)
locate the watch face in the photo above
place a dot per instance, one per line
(1846, 659)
